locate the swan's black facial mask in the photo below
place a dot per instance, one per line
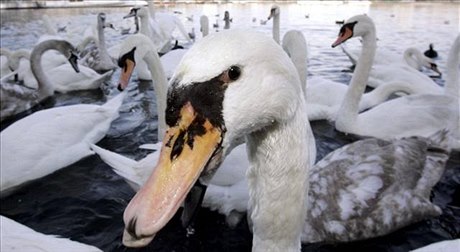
(127, 64)
(132, 13)
(73, 58)
(345, 33)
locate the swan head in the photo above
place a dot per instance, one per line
(133, 49)
(133, 12)
(68, 50)
(274, 12)
(228, 85)
(356, 26)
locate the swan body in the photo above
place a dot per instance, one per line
(277, 175)
(64, 77)
(17, 237)
(325, 96)
(4, 57)
(413, 115)
(101, 60)
(18, 99)
(446, 246)
(50, 139)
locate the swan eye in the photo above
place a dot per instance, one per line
(232, 74)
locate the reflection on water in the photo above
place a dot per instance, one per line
(86, 200)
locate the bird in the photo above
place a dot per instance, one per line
(412, 115)
(100, 59)
(18, 237)
(17, 99)
(388, 67)
(431, 53)
(269, 125)
(325, 96)
(446, 246)
(51, 139)
(227, 20)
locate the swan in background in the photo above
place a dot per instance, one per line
(4, 57)
(167, 23)
(431, 53)
(101, 61)
(204, 25)
(411, 57)
(275, 14)
(16, 99)
(271, 115)
(325, 96)
(413, 115)
(18, 237)
(64, 78)
(51, 139)
(227, 20)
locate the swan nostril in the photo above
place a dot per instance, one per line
(131, 228)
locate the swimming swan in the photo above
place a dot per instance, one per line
(208, 114)
(16, 99)
(51, 139)
(413, 115)
(18, 237)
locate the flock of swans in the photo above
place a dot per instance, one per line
(233, 118)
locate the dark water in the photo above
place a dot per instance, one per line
(86, 200)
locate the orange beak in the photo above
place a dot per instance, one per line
(126, 74)
(184, 156)
(343, 36)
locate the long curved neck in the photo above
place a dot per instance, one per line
(347, 115)
(145, 25)
(276, 28)
(295, 46)
(383, 92)
(278, 186)
(16, 56)
(348, 112)
(453, 61)
(413, 58)
(161, 87)
(204, 23)
(45, 88)
(104, 54)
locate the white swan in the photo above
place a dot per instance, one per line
(50, 139)
(204, 25)
(413, 115)
(325, 96)
(16, 99)
(64, 78)
(207, 114)
(100, 59)
(4, 56)
(445, 246)
(134, 49)
(18, 237)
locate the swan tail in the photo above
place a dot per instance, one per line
(437, 154)
(121, 165)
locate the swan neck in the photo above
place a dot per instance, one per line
(382, 93)
(453, 62)
(278, 177)
(145, 25)
(160, 84)
(348, 112)
(413, 58)
(296, 47)
(45, 88)
(276, 28)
